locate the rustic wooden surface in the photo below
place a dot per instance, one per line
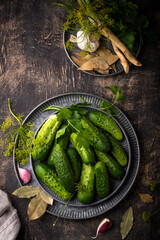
(33, 69)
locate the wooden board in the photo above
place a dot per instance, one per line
(34, 67)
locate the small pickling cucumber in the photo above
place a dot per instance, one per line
(75, 162)
(97, 139)
(105, 122)
(45, 137)
(85, 194)
(114, 168)
(63, 168)
(102, 182)
(117, 150)
(51, 179)
(62, 141)
(86, 154)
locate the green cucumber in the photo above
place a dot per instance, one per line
(45, 137)
(86, 154)
(117, 150)
(85, 194)
(75, 162)
(51, 179)
(61, 141)
(63, 168)
(105, 122)
(97, 139)
(114, 168)
(102, 182)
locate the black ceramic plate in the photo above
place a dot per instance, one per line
(118, 188)
(66, 36)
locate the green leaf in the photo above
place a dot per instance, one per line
(64, 113)
(61, 132)
(119, 95)
(111, 89)
(146, 216)
(82, 111)
(128, 38)
(104, 105)
(126, 223)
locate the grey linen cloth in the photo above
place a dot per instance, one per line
(9, 220)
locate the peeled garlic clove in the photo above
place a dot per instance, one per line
(24, 175)
(103, 226)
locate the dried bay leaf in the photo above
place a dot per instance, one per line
(79, 61)
(95, 63)
(126, 223)
(113, 66)
(36, 207)
(87, 56)
(101, 60)
(109, 57)
(26, 191)
(146, 198)
(88, 66)
(102, 71)
(45, 197)
(101, 63)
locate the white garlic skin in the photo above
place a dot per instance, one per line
(84, 42)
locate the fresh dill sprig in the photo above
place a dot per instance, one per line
(14, 130)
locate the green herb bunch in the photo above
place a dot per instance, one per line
(14, 130)
(122, 17)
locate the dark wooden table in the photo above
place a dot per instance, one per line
(34, 67)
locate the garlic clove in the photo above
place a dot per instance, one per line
(103, 226)
(73, 38)
(24, 175)
(84, 41)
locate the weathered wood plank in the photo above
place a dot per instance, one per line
(34, 67)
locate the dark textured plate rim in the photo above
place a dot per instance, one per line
(98, 74)
(57, 211)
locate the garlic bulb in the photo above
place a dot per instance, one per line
(87, 42)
